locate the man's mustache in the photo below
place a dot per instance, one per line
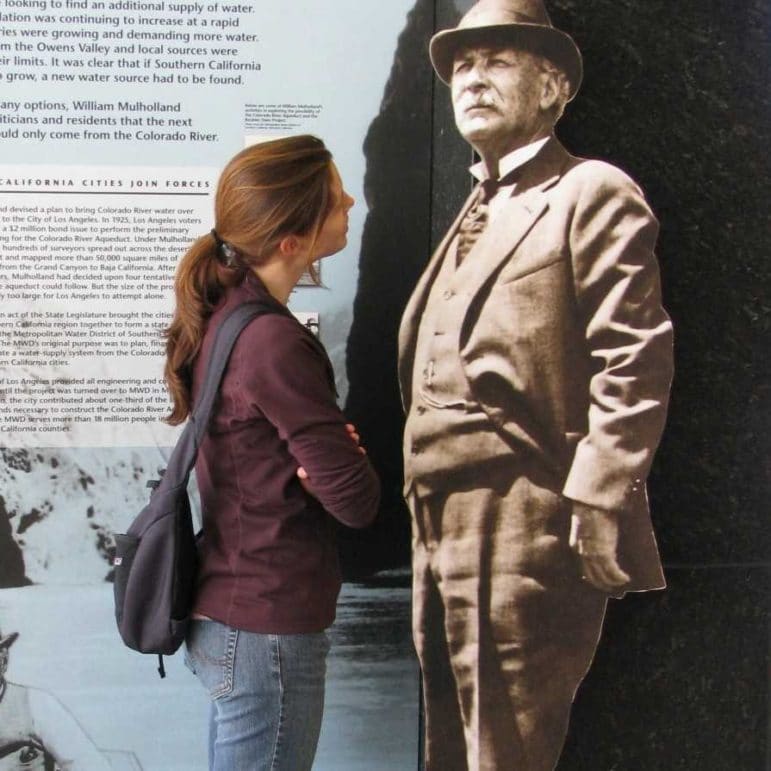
(483, 101)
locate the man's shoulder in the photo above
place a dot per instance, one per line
(587, 185)
(595, 175)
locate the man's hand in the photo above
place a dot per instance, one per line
(594, 538)
(302, 474)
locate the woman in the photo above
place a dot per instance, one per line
(277, 461)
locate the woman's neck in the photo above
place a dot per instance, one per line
(279, 278)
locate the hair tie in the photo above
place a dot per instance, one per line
(225, 250)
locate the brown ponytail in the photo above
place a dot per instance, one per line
(266, 192)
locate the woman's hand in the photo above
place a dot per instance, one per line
(302, 474)
(351, 429)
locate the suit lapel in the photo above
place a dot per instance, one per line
(501, 238)
(513, 223)
(411, 317)
(418, 298)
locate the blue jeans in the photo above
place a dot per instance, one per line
(267, 693)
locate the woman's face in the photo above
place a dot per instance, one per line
(333, 235)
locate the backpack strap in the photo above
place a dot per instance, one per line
(186, 450)
(224, 341)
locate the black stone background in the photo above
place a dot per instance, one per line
(676, 94)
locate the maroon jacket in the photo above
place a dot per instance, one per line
(268, 554)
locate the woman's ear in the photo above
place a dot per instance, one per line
(289, 246)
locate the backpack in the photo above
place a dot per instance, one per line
(156, 559)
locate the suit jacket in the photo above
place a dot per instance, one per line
(564, 342)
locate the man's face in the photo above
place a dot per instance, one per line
(498, 99)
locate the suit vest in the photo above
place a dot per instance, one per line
(447, 432)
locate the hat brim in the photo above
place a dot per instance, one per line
(555, 45)
(7, 642)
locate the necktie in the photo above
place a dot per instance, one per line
(475, 221)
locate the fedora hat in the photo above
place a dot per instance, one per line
(7, 642)
(522, 23)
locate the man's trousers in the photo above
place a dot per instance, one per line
(504, 627)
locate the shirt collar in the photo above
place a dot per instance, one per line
(513, 160)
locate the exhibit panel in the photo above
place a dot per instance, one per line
(115, 120)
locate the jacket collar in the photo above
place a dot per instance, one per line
(511, 161)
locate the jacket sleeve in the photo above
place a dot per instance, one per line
(289, 384)
(628, 336)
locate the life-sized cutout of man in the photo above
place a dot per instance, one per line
(535, 365)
